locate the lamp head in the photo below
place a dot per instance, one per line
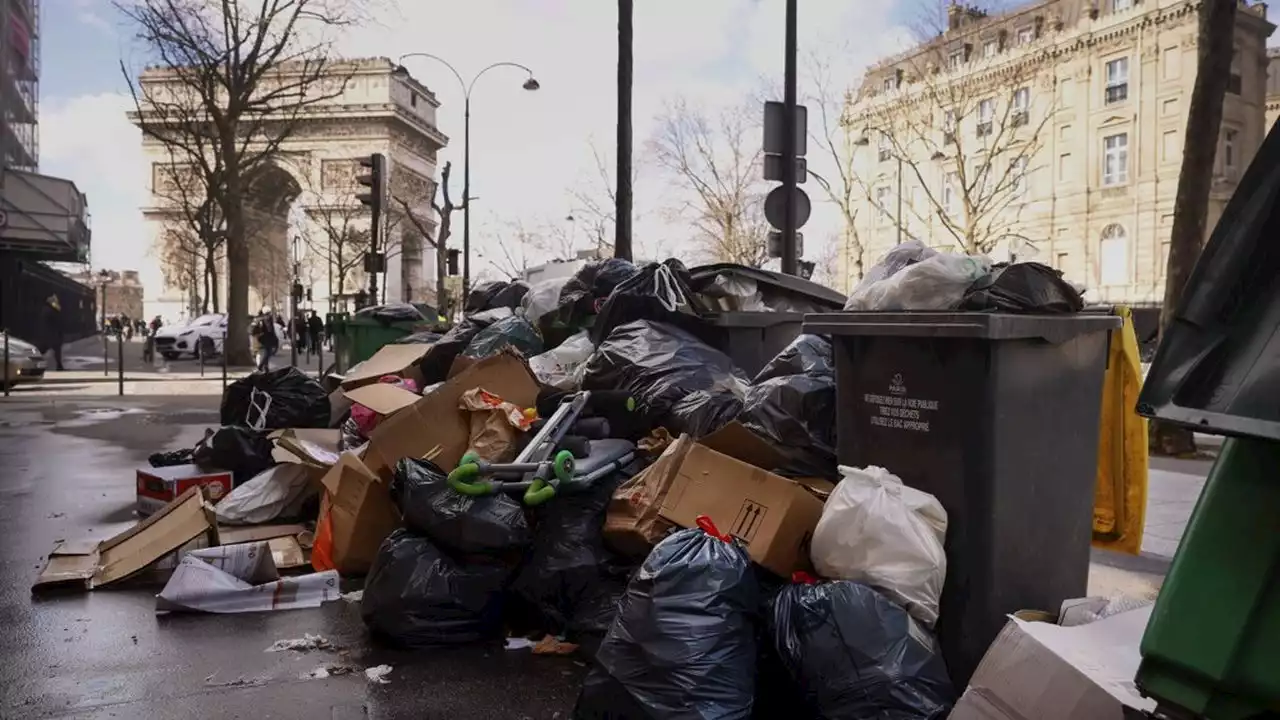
(531, 84)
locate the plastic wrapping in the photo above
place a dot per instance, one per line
(513, 332)
(495, 294)
(806, 355)
(659, 291)
(543, 299)
(277, 492)
(935, 283)
(563, 367)
(676, 380)
(877, 531)
(171, 458)
(1023, 288)
(416, 595)
(275, 400)
(798, 414)
(683, 643)
(239, 450)
(426, 337)
(855, 655)
(366, 419)
(434, 366)
(487, 525)
(890, 264)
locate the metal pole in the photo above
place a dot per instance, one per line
(320, 360)
(466, 196)
(105, 349)
(622, 209)
(6, 362)
(120, 363)
(790, 266)
(899, 199)
(224, 363)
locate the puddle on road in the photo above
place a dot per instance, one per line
(94, 416)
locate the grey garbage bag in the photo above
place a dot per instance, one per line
(683, 642)
(416, 595)
(856, 655)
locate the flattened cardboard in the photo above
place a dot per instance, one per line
(239, 534)
(360, 511)
(390, 360)
(306, 446)
(383, 398)
(86, 566)
(773, 516)
(436, 420)
(1041, 671)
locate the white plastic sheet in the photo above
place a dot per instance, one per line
(278, 490)
(877, 531)
(937, 282)
(563, 367)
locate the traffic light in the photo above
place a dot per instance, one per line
(377, 166)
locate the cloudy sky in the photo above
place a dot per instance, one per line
(529, 150)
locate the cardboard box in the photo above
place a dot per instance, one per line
(398, 360)
(773, 516)
(158, 487)
(1041, 671)
(356, 514)
(85, 565)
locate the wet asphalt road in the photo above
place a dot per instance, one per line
(67, 471)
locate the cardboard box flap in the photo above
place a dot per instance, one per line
(237, 534)
(360, 512)
(90, 565)
(736, 441)
(383, 398)
(349, 468)
(307, 446)
(390, 360)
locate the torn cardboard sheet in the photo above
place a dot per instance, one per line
(241, 578)
(85, 565)
(304, 446)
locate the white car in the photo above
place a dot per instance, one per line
(176, 341)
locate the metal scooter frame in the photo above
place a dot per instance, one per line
(540, 468)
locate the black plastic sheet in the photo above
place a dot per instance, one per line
(659, 291)
(170, 459)
(1026, 287)
(275, 400)
(856, 655)
(514, 332)
(487, 525)
(677, 380)
(426, 337)
(238, 450)
(416, 595)
(683, 644)
(806, 355)
(392, 312)
(434, 366)
(495, 294)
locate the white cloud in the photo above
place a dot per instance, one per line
(528, 149)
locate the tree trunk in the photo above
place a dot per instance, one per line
(1204, 118)
(211, 262)
(238, 277)
(204, 302)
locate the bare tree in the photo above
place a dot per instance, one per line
(718, 164)
(844, 188)
(235, 79)
(594, 202)
(338, 233)
(444, 230)
(965, 145)
(181, 259)
(1204, 118)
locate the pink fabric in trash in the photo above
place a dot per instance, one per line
(365, 419)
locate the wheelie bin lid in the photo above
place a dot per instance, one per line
(1055, 329)
(1217, 368)
(789, 284)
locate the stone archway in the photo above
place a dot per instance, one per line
(272, 191)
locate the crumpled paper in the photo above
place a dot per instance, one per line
(495, 425)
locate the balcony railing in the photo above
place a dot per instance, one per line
(1117, 93)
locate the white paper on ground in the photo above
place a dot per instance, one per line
(241, 578)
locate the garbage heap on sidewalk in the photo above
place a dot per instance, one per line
(585, 464)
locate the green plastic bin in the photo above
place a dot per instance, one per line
(356, 339)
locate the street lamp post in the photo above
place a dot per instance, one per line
(529, 84)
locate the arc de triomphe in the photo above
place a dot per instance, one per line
(312, 180)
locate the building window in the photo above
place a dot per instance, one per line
(1018, 171)
(949, 192)
(1117, 80)
(986, 114)
(890, 83)
(1171, 63)
(1121, 5)
(1021, 106)
(1233, 80)
(1169, 150)
(1025, 35)
(885, 148)
(882, 205)
(1115, 159)
(413, 99)
(1061, 259)
(1064, 167)
(948, 127)
(1113, 257)
(990, 49)
(1230, 142)
(955, 59)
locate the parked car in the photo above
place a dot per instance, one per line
(26, 363)
(175, 341)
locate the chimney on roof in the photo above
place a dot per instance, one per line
(959, 15)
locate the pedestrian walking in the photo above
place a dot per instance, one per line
(126, 325)
(315, 327)
(268, 337)
(52, 323)
(298, 330)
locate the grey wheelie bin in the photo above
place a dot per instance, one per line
(998, 417)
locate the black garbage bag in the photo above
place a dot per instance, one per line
(487, 525)
(392, 312)
(661, 366)
(659, 291)
(434, 366)
(797, 413)
(568, 557)
(513, 332)
(239, 450)
(806, 355)
(170, 459)
(495, 294)
(1026, 287)
(426, 337)
(856, 655)
(275, 400)
(683, 644)
(416, 595)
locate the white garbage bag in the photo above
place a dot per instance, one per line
(893, 262)
(937, 282)
(563, 367)
(542, 298)
(278, 491)
(877, 531)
